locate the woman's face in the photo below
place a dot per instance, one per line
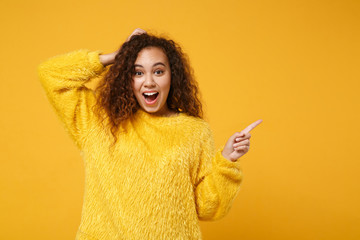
(151, 82)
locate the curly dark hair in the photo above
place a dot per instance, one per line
(115, 97)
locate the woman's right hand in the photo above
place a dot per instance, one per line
(109, 58)
(137, 31)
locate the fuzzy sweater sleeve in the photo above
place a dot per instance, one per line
(63, 78)
(217, 181)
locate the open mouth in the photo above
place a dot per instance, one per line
(150, 97)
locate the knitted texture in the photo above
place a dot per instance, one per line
(162, 176)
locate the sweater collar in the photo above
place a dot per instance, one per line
(145, 115)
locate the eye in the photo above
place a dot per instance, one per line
(158, 72)
(138, 73)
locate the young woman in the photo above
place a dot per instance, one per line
(150, 164)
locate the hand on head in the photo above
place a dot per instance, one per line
(137, 31)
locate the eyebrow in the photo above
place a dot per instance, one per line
(158, 63)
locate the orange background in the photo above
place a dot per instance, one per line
(294, 64)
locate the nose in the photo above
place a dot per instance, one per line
(149, 81)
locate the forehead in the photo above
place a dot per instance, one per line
(151, 55)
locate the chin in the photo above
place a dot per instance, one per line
(150, 110)
(154, 110)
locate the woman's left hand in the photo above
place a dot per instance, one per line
(239, 143)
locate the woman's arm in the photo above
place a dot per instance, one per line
(216, 180)
(219, 175)
(107, 59)
(63, 78)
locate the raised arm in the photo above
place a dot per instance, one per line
(63, 78)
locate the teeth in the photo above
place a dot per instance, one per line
(150, 94)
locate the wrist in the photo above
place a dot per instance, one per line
(107, 59)
(226, 156)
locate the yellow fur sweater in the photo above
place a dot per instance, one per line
(162, 176)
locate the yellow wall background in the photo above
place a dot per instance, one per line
(294, 64)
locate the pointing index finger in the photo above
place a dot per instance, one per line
(251, 126)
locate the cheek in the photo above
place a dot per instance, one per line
(135, 90)
(136, 85)
(166, 84)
